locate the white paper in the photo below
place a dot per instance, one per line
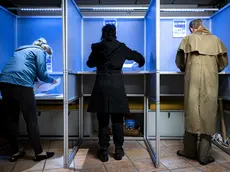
(43, 87)
(130, 65)
(179, 28)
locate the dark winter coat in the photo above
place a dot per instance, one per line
(108, 95)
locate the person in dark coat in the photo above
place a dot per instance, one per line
(108, 95)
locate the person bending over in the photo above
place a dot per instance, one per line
(16, 84)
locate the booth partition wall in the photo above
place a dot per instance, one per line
(155, 91)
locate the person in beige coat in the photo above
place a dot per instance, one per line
(201, 55)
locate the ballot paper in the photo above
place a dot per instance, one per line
(44, 87)
(126, 65)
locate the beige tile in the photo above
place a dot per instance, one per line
(89, 153)
(132, 145)
(28, 165)
(165, 152)
(6, 166)
(153, 144)
(221, 157)
(174, 149)
(84, 162)
(227, 165)
(56, 163)
(142, 144)
(172, 142)
(213, 167)
(193, 162)
(121, 166)
(60, 170)
(192, 169)
(146, 165)
(100, 168)
(136, 154)
(215, 148)
(175, 162)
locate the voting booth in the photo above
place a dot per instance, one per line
(56, 104)
(155, 91)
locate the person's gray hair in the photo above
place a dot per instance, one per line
(41, 42)
(195, 24)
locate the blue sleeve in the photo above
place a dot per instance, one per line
(41, 68)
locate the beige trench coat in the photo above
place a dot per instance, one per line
(201, 56)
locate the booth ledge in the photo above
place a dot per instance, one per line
(182, 73)
(124, 72)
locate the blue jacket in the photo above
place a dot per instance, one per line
(27, 64)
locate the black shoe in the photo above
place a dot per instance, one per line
(14, 158)
(119, 153)
(208, 160)
(103, 155)
(43, 157)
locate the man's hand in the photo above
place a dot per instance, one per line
(55, 81)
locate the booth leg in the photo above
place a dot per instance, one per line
(146, 140)
(222, 123)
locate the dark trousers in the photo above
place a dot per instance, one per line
(117, 129)
(16, 98)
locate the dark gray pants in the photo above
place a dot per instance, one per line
(16, 98)
(117, 128)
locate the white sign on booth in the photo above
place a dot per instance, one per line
(179, 28)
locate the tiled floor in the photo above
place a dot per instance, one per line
(136, 159)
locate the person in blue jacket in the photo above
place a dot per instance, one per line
(16, 84)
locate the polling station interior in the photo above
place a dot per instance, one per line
(155, 91)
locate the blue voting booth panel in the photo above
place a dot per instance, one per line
(151, 56)
(74, 28)
(221, 26)
(129, 31)
(7, 36)
(151, 38)
(169, 45)
(31, 28)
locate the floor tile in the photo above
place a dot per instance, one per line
(165, 152)
(132, 145)
(215, 148)
(60, 170)
(137, 154)
(56, 162)
(193, 162)
(227, 165)
(28, 165)
(214, 167)
(172, 142)
(142, 144)
(146, 165)
(175, 162)
(6, 166)
(100, 168)
(221, 157)
(121, 166)
(192, 169)
(84, 162)
(153, 144)
(174, 149)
